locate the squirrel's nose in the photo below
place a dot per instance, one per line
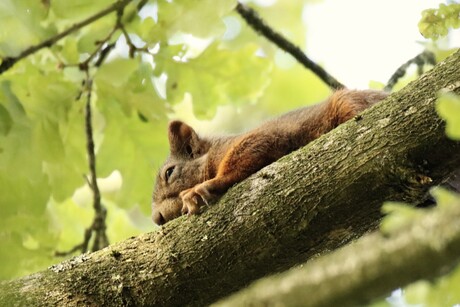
(158, 218)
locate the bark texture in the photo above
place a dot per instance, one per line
(372, 267)
(312, 201)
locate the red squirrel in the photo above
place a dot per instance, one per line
(201, 169)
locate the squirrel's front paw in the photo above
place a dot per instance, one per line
(193, 199)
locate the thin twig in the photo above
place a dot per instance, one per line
(103, 54)
(98, 225)
(259, 25)
(100, 45)
(8, 62)
(426, 57)
(90, 146)
(97, 230)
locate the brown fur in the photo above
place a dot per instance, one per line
(202, 169)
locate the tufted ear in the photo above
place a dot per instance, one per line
(183, 140)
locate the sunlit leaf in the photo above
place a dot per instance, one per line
(182, 16)
(24, 19)
(134, 90)
(117, 72)
(5, 120)
(448, 107)
(292, 88)
(445, 198)
(78, 10)
(217, 77)
(436, 23)
(97, 32)
(442, 292)
(398, 215)
(135, 149)
(70, 52)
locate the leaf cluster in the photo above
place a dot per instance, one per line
(435, 23)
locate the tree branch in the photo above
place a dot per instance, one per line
(310, 202)
(361, 272)
(253, 20)
(426, 57)
(8, 62)
(98, 225)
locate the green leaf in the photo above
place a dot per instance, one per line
(133, 90)
(55, 123)
(217, 77)
(183, 16)
(134, 148)
(291, 88)
(69, 51)
(21, 21)
(398, 216)
(417, 292)
(70, 221)
(448, 107)
(442, 54)
(78, 10)
(376, 85)
(149, 31)
(441, 292)
(436, 23)
(117, 72)
(5, 120)
(445, 198)
(98, 31)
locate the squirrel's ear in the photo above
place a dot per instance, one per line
(183, 140)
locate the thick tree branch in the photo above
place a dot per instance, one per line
(253, 20)
(312, 201)
(361, 272)
(8, 62)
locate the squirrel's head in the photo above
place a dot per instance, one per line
(184, 168)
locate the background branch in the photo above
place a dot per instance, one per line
(98, 226)
(8, 62)
(253, 20)
(426, 57)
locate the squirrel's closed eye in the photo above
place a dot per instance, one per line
(189, 151)
(169, 172)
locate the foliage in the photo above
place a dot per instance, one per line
(448, 107)
(157, 54)
(443, 290)
(164, 54)
(435, 23)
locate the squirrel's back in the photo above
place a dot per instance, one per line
(199, 169)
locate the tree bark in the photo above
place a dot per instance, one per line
(370, 268)
(310, 202)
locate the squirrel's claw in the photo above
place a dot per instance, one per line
(191, 202)
(193, 199)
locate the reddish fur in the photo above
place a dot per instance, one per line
(215, 164)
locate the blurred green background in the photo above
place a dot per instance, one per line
(195, 60)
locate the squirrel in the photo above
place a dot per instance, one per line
(201, 169)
